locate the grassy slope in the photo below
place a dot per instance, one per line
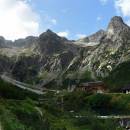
(9, 91)
(60, 117)
(17, 111)
(21, 114)
(107, 103)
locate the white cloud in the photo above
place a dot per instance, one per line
(63, 34)
(17, 19)
(99, 18)
(54, 21)
(123, 7)
(79, 36)
(103, 2)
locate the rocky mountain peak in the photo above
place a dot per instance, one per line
(92, 40)
(96, 37)
(48, 34)
(50, 43)
(49, 31)
(116, 19)
(117, 26)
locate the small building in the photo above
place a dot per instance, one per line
(126, 89)
(94, 87)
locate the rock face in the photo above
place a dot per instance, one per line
(52, 57)
(27, 42)
(94, 39)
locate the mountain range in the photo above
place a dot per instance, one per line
(58, 60)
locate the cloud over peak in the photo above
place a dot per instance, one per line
(63, 34)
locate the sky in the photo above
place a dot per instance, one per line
(73, 19)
